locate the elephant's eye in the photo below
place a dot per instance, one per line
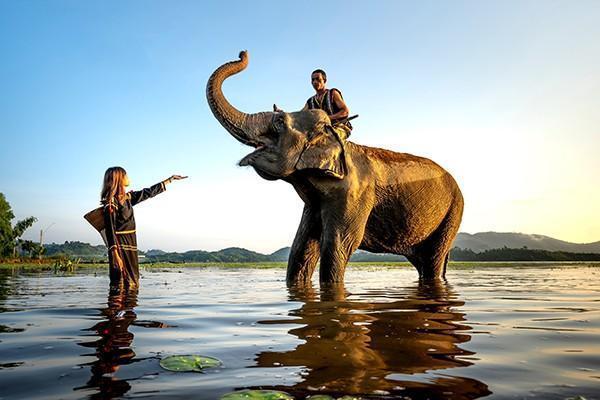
(279, 124)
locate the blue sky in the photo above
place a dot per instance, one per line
(505, 95)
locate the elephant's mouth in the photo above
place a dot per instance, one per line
(252, 160)
(248, 160)
(260, 158)
(262, 147)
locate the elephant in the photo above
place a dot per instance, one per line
(355, 196)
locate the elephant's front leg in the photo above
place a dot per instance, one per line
(343, 231)
(304, 253)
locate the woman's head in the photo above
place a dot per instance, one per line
(115, 180)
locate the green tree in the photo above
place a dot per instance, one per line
(9, 235)
(30, 247)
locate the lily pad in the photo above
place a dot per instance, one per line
(187, 363)
(257, 395)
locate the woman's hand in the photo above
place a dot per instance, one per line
(118, 261)
(174, 178)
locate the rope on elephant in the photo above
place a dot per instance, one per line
(343, 121)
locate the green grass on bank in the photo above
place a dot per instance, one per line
(33, 266)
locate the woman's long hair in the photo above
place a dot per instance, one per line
(114, 185)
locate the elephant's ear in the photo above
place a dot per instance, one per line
(324, 152)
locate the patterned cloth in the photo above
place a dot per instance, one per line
(120, 233)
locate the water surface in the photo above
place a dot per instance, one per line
(499, 333)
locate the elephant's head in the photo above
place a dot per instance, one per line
(284, 142)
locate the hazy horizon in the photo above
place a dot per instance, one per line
(289, 245)
(503, 95)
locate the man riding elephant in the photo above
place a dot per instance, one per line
(354, 196)
(330, 101)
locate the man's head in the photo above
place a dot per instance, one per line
(318, 78)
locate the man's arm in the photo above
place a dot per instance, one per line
(339, 102)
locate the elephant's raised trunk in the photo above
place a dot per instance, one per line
(246, 128)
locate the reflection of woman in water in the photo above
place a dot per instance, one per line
(114, 344)
(113, 348)
(120, 223)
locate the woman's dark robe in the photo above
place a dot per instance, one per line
(120, 234)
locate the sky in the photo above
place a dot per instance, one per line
(505, 95)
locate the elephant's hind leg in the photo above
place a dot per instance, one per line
(432, 255)
(429, 262)
(305, 251)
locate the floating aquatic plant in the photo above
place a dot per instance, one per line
(188, 363)
(257, 395)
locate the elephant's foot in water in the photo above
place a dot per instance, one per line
(431, 266)
(305, 251)
(337, 247)
(346, 228)
(303, 261)
(333, 264)
(431, 258)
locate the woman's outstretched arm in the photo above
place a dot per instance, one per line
(137, 196)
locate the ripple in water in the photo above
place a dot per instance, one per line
(491, 332)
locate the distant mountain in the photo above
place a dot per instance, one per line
(281, 254)
(358, 256)
(237, 254)
(155, 252)
(365, 256)
(75, 249)
(481, 241)
(231, 254)
(476, 243)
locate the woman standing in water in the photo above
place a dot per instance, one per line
(120, 223)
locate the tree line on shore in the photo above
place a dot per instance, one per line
(97, 253)
(522, 254)
(11, 243)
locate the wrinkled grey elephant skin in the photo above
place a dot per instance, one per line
(356, 197)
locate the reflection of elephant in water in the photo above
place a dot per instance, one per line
(355, 196)
(358, 346)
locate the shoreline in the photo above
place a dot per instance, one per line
(49, 266)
